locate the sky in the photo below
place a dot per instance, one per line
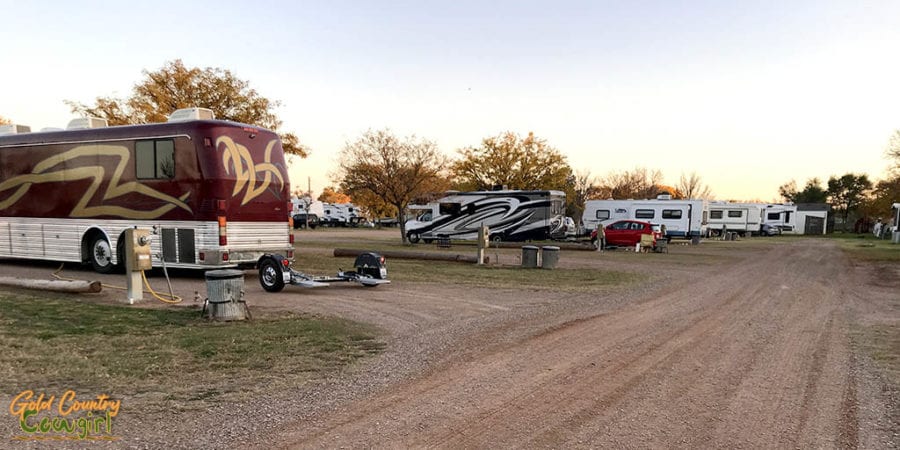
(747, 94)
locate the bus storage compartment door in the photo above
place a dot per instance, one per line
(137, 249)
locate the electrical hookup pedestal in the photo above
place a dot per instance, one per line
(483, 236)
(137, 260)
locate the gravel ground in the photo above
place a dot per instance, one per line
(750, 352)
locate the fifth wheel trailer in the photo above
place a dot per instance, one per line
(741, 218)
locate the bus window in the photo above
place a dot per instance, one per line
(155, 159)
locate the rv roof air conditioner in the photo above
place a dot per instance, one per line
(14, 129)
(87, 122)
(191, 114)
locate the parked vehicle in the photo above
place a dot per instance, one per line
(781, 216)
(769, 230)
(303, 220)
(510, 215)
(741, 218)
(216, 191)
(625, 233)
(682, 218)
(567, 231)
(339, 214)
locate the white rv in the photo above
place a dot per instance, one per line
(682, 218)
(339, 214)
(782, 216)
(510, 215)
(741, 218)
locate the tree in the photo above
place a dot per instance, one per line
(885, 194)
(811, 193)
(175, 86)
(4, 121)
(637, 184)
(512, 161)
(846, 193)
(396, 171)
(581, 186)
(692, 187)
(329, 195)
(893, 151)
(373, 206)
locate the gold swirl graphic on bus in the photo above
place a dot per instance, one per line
(41, 174)
(246, 171)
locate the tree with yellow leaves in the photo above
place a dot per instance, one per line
(512, 161)
(176, 86)
(396, 171)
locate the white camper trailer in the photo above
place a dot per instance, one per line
(781, 216)
(682, 218)
(741, 218)
(510, 215)
(339, 214)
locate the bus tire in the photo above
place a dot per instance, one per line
(120, 254)
(100, 254)
(497, 238)
(270, 275)
(413, 237)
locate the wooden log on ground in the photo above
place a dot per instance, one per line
(73, 286)
(400, 254)
(576, 245)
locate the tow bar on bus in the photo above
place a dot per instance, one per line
(275, 272)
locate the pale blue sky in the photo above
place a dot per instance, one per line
(748, 94)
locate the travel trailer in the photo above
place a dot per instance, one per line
(682, 218)
(511, 215)
(741, 218)
(782, 216)
(339, 214)
(216, 192)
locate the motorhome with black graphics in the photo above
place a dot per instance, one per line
(511, 216)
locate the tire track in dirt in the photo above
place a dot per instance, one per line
(582, 383)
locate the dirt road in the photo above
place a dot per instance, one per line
(756, 354)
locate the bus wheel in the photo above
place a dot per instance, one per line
(101, 255)
(497, 238)
(270, 275)
(413, 238)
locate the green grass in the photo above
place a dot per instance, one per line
(866, 247)
(169, 355)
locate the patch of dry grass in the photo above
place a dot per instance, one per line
(165, 357)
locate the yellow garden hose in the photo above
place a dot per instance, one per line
(165, 298)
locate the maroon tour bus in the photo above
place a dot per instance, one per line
(215, 193)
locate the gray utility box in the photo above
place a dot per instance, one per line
(549, 256)
(225, 295)
(529, 256)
